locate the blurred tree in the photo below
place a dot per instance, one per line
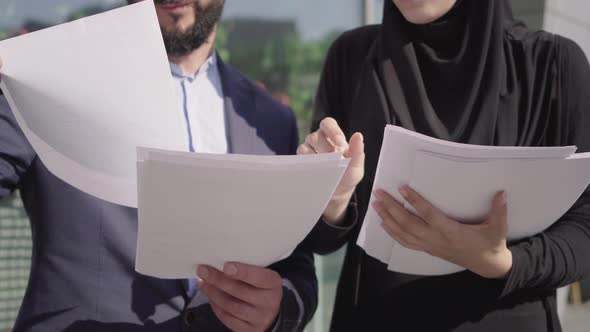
(273, 53)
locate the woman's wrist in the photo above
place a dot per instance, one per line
(498, 265)
(335, 212)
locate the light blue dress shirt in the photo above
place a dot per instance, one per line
(200, 100)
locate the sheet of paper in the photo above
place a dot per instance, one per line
(396, 168)
(144, 153)
(191, 213)
(88, 92)
(539, 193)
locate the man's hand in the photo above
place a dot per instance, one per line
(244, 297)
(330, 138)
(0, 68)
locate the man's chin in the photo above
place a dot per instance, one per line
(177, 29)
(178, 24)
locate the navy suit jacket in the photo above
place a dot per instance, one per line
(82, 272)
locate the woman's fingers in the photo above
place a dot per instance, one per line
(332, 132)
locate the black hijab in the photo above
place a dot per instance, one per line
(457, 76)
(473, 76)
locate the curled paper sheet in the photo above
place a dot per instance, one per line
(542, 183)
(87, 93)
(211, 209)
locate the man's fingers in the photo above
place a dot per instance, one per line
(236, 307)
(331, 130)
(253, 275)
(229, 285)
(230, 321)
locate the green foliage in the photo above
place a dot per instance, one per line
(279, 59)
(221, 42)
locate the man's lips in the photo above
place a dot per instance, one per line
(174, 6)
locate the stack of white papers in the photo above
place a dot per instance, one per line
(542, 183)
(211, 209)
(87, 93)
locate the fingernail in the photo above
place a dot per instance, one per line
(203, 272)
(404, 192)
(378, 195)
(230, 269)
(503, 198)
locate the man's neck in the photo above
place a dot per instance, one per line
(191, 62)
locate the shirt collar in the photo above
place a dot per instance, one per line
(208, 65)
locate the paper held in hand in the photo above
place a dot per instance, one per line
(542, 183)
(212, 209)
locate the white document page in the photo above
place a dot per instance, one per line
(144, 153)
(539, 193)
(191, 214)
(88, 92)
(396, 168)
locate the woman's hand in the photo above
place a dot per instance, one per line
(330, 138)
(480, 248)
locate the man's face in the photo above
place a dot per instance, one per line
(187, 24)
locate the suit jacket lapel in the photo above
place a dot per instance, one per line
(241, 116)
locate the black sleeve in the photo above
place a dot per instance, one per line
(326, 238)
(559, 256)
(16, 155)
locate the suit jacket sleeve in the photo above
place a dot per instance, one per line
(16, 155)
(558, 256)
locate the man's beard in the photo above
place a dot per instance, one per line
(180, 43)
